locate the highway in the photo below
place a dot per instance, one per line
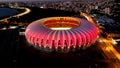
(106, 46)
(88, 17)
(109, 51)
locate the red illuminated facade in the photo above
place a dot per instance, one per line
(68, 32)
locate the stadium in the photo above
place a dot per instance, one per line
(61, 33)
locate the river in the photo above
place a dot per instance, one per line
(6, 12)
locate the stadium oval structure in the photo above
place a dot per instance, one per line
(61, 33)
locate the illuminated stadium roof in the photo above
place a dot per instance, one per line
(61, 33)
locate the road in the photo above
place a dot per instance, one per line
(106, 46)
(109, 51)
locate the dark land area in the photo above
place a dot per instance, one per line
(16, 52)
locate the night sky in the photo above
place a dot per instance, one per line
(32, 0)
(44, 0)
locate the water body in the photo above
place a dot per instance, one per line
(6, 12)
